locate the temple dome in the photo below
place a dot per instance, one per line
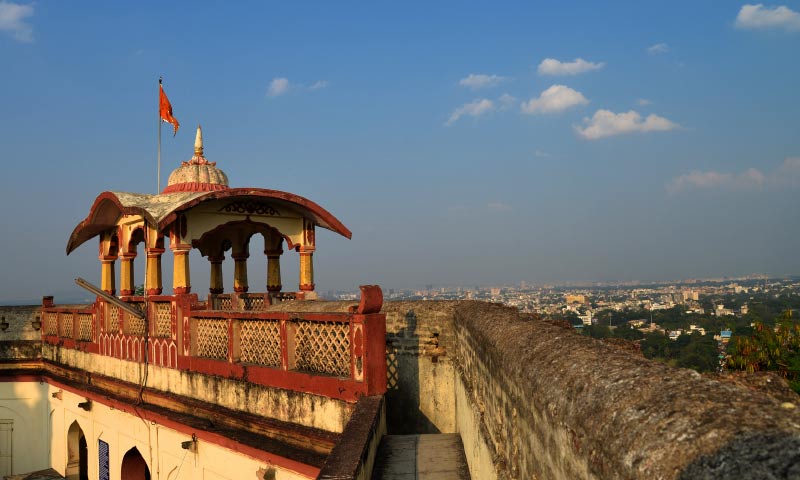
(198, 174)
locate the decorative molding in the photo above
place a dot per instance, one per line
(250, 207)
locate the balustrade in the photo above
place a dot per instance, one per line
(345, 352)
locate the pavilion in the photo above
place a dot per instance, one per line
(199, 210)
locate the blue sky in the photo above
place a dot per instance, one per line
(462, 142)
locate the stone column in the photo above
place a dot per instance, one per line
(107, 280)
(216, 285)
(126, 277)
(274, 270)
(306, 269)
(152, 283)
(240, 272)
(109, 249)
(181, 279)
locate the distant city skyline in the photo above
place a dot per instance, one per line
(463, 144)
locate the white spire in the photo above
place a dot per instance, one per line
(198, 142)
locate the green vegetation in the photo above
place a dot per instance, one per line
(694, 351)
(765, 338)
(770, 348)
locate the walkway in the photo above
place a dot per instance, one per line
(421, 457)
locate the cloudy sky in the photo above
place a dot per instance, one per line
(462, 143)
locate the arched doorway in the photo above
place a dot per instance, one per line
(77, 454)
(134, 467)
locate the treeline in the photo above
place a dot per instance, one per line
(696, 351)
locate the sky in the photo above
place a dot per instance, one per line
(463, 143)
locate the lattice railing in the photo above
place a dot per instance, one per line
(212, 338)
(323, 347)
(133, 325)
(84, 327)
(261, 342)
(255, 302)
(113, 319)
(51, 323)
(342, 350)
(222, 302)
(65, 320)
(163, 324)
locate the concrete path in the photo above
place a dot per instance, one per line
(421, 457)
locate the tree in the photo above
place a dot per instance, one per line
(597, 331)
(776, 349)
(628, 333)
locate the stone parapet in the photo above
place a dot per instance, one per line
(554, 404)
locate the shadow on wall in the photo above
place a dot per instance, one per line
(403, 413)
(750, 456)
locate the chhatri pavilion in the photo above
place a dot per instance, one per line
(199, 210)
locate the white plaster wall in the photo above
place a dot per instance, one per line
(25, 403)
(41, 425)
(468, 421)
(304, 409)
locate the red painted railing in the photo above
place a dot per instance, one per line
(339, 355)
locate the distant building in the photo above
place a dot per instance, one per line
(575, 298)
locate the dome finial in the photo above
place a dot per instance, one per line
(198, 142)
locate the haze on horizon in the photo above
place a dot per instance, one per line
(462, 144)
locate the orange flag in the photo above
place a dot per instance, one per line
(165, 110)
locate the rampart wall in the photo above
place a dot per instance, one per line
(535, 400)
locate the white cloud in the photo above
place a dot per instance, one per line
(318, 85)
(557, 98)
(785, 175)
(12, 20)
(506, 101)
(788, 173)
(551, 66)
(475, 108)
(750, 178)
(759, 16)
(643, 102)
(606, 123)
(658, 48)
(278, 86)
(481, 80)
(498, 207)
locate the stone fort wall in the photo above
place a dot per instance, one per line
(535, 400)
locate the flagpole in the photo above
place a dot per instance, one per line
(159, 136)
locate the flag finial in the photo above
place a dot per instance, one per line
(198, 142)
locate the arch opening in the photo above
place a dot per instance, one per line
(133, 466)
(77, 454)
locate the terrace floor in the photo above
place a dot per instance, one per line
(421, 457)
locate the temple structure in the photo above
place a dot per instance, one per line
(199, 210)
(127, 387)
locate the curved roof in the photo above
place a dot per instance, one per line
(162, 209)
(196, 176)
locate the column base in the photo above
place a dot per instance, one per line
(154, 291)
(182, 290)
